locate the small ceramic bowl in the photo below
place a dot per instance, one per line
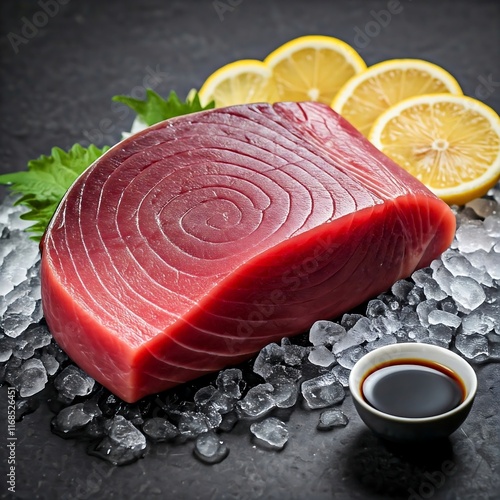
(404, 429)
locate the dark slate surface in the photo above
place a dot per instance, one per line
(56, 88)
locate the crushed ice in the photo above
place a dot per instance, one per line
(270, 433)
(209, 448)
(454, 303)
(329, 419)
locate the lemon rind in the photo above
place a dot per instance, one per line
(346, 91)
(469, 190)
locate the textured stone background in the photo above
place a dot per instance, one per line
(56, 90)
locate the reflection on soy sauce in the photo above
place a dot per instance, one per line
(413, 388)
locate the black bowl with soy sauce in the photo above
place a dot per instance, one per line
(411, 392)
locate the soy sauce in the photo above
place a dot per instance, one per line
(413, 388)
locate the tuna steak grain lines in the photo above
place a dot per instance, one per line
(191, 245)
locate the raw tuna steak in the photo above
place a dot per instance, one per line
(189, 246)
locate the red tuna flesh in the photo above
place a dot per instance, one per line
(191, 245)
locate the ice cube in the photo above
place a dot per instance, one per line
(70, 420)
(22, 304)
(461, 265)
(322, 391)
(419, 333)
(10, 213)
(408, 318)
(329, 419)
(341, 374)
(33, 338)
(472, 236)
(394, 304)
(443, 278)
(289, 372)
(440, 335)
(401, 289)
(492, 225)
(349, 357)
(467, 293)
(482, 320)
(17, 254)
(271, 432)
(29, 378)
(54, 350)
(483, 207)
(321, 356)
(422, 276)
(230, 382)
(492, 264)
(363, 329)
(213, 416)
(445, 318)
(209, 448)
(72, 382)
(448, 305)
(160, 429)
(456, 263)
(50, 362)
(386, 326)
(375, 308)
(380, 342)
(424, 309)
(123, 444)
(472, 346)
(326, 333)
(492, 295)
(432, 290)
(132, 413)
(11, 369)
(294, 355)
(203, 395)
(416, 296)
(349, 320)
(209, 397)
(13, 325)
(192, 424)
(18, 308)
(360, 331)
(285, 391)
(270, 356)
(258, 401)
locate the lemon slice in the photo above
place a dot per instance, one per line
(365, 96)
(240, 82)
(313, 68)
(450, 143)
